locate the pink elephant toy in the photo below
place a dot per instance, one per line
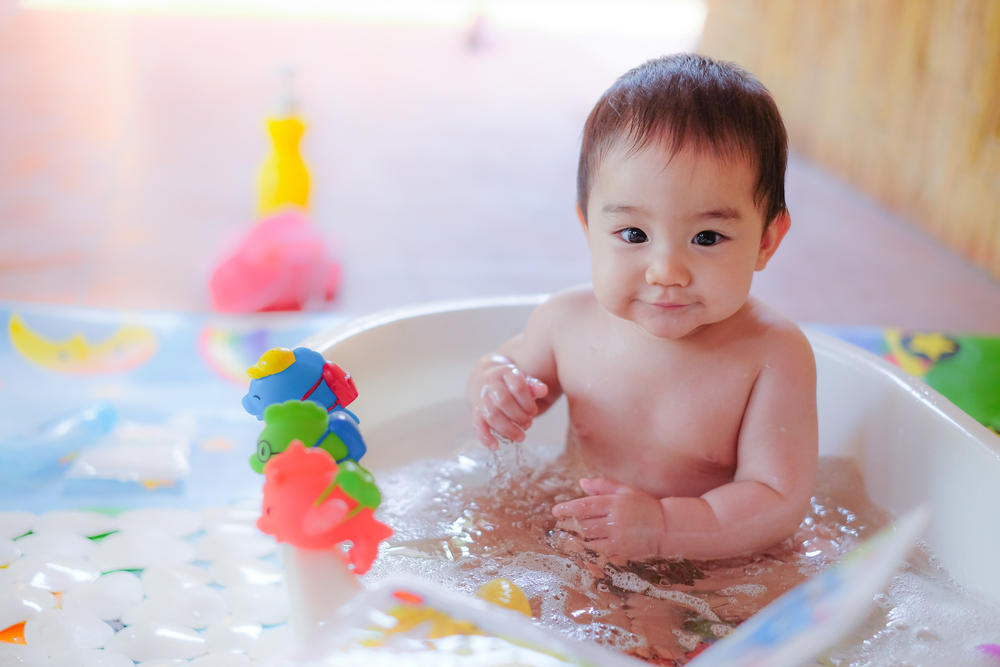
(281, 263)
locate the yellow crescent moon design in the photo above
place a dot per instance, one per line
(127, 348)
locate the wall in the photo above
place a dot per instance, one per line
(899, 97)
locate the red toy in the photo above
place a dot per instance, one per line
(304, 506)
(280, 264)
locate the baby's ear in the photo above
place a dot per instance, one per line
(580, 216)
(772, 237)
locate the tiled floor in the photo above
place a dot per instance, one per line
(129, 145)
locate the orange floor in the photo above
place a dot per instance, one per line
(129, 145)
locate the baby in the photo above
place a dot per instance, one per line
(696, 401)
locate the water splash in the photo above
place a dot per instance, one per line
(464, 520)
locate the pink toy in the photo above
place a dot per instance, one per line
(280, 264)
(302, 507)
(992, 650)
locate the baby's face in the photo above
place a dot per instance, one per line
(674, 242)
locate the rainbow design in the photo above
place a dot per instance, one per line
(130, 346)
(230, 353)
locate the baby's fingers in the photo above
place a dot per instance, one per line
(599, 486)
(501, 425)
(485, 433)
(590, 507)
(525, 389)
(500, 403)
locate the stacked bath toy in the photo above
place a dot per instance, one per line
(319, 502)
(316, 494)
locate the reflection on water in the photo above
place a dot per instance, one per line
(464, 520)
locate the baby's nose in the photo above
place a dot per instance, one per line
(668, 268)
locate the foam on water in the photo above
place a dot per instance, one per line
(465, 519)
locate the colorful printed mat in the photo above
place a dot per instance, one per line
(115, 409)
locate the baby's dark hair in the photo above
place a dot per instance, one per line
(687, 99)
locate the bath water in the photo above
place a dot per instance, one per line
(468, 517)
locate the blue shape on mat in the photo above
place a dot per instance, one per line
(177, 381)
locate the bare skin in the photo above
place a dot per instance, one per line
(696, 401)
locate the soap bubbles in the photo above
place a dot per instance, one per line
(165, 522)
(51, 574)
(87, 524)
(15, 524)
(108, 598)
(161, 579)
(56, 544)
(232, 636)
(65, 630)
(19, 602)
(195, 607)
(148, 641)
(9, 552)
(266, 605)
(141, 549)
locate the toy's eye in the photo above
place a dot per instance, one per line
(256, 396)
(263, 450)
(633, 235)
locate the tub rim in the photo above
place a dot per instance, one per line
(820, 341)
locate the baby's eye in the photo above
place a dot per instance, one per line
(707, 238)
(633, 235)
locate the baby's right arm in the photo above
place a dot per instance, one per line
(508, 388)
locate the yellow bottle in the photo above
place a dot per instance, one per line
(284, 179)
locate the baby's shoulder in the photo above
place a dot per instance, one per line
(572, 304)
(573, 300)
(778, 336)
(568, 310)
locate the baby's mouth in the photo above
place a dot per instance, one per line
(668, 305)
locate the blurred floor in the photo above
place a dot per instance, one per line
(129, 145)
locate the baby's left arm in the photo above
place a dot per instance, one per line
(764, 503)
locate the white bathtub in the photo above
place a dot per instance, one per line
(912, 445)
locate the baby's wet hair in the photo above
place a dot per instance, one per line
(688, 99)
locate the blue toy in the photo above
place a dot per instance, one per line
(45, 450)
(301, 374)
(283, 377)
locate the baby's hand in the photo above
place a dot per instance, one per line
(506, 402)
(614, 519)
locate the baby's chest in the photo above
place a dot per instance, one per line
(673, 408)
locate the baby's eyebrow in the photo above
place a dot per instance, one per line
(724, 213)
(621, 208)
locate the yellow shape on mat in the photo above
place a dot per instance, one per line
(504, 592)
(438, 624)
(932, 345)
(128, 347)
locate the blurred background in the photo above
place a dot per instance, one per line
(441, 139)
